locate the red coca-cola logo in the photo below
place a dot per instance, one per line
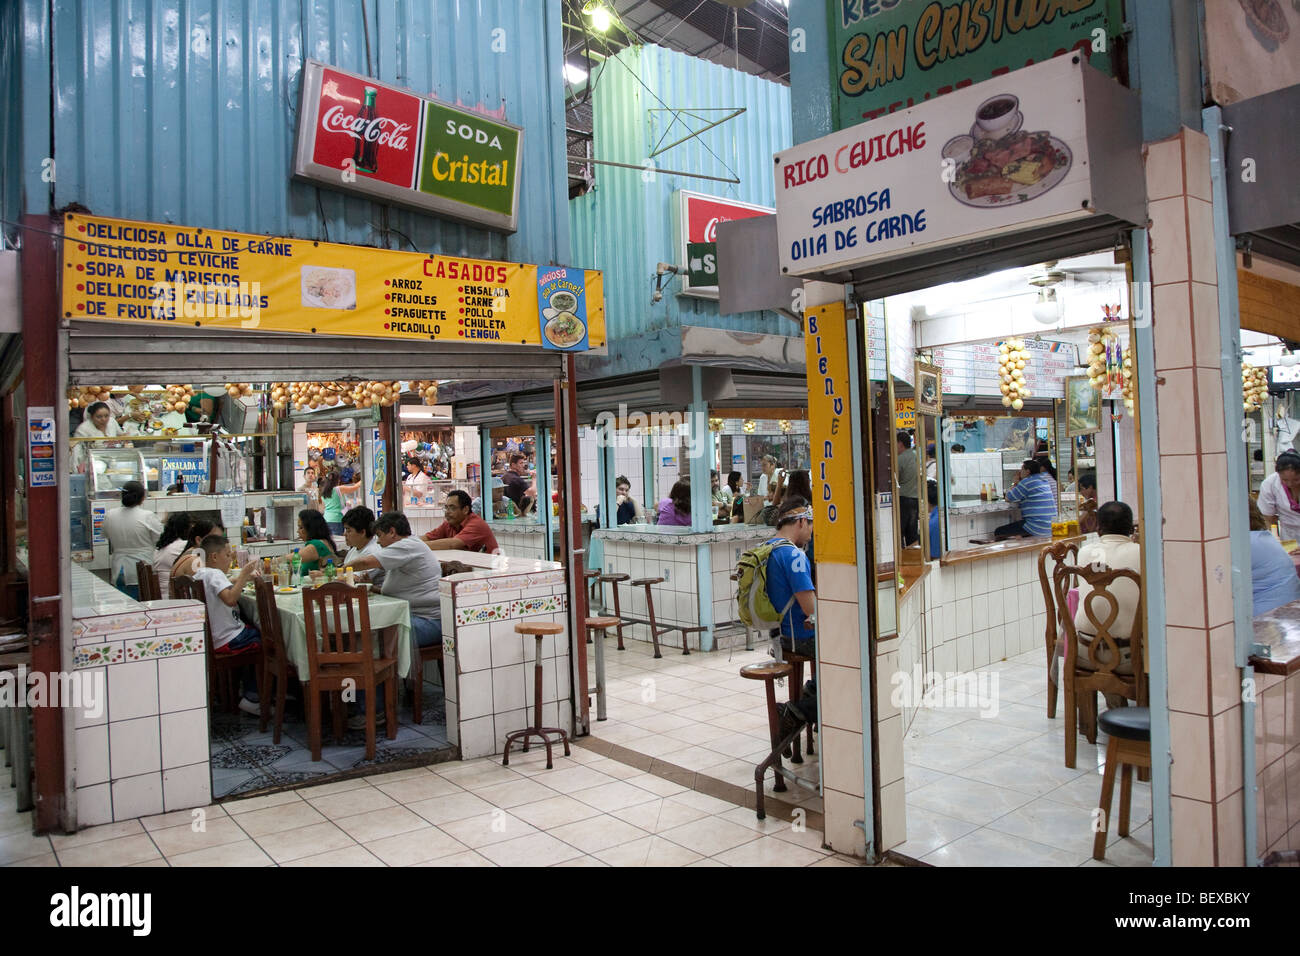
(381, 129)
(376, 142)
(703, 216)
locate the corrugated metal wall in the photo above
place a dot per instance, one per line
(624, 225)
(185, 110)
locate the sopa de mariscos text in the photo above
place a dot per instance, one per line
(847, 158)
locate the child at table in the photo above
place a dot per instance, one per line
(230, 635)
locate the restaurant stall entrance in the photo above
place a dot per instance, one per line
(945, 407)
(154, 659)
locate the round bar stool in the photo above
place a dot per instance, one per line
(601, 624)
(768, 672)
(616, 580)
(592, 584)
(1129, 729)
(797, 661)
(647, 583)
(539, 630)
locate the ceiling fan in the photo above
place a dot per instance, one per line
(1048, 276)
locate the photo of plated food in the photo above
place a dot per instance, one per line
(327, 288)
(565, 330)
(564, 301)
(999, 163)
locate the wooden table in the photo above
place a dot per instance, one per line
(390, 622)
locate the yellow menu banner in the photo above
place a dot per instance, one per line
(830, 434)
(120, 270)
(904, 413)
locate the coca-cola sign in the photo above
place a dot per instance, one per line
(358, 135)
(697, 218)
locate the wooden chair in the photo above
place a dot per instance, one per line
(422, 656)
(275, 662)
(1051, 557)
(1128, 745)
(1101, 608)
(340, 655)
(148, 580)
(223, 668)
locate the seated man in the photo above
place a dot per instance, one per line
(462, 530)
(230, 635)
(411, 573)
(790, 587)
(932, 495)
(1113, 551)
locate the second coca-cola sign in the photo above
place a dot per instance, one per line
(358, 135)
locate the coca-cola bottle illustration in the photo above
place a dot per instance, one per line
(365, 154)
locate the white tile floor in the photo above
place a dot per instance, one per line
(994, 790)
(587, 811)
(696, 712)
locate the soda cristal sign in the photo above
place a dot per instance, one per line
(359, 135)
(697, 216)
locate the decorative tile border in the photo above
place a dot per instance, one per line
(506, 611)
(543, 578)
(164, 647)
(476, 586)
(114, 623)
(96, 655)
(177, 612)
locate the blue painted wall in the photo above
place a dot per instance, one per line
(624, 226)
(185, 110)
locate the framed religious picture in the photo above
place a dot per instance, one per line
(1082, 407)
(929, 389)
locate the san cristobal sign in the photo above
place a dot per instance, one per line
(890, 55)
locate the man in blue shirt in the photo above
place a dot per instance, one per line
(790, 587)
(1036, 495)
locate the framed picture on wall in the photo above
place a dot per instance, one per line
(1082, 407)
(929, 389)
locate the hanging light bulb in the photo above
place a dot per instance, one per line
(749, 425)
(1047, 309)
(599, 15)
(1289, 357)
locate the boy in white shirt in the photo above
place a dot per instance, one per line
(230, 635)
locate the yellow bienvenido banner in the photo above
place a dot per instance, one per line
(119, 270)
(830, 436)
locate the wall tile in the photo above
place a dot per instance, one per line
(1273, 797)
(1205, 324)
(837, 582)
(1214, 484)
(841, 755)
(1189, 686)
(837, 633)
(187, 787)
(475, 695)
(92, 755)
(508, 690)
(1196, 158)
(1209, 399)
(1176, 421)
(1200, 240)
(1225, 675)
(1184, 585)
(893, 815)
(1171, 315)
(182, 683)
(1227, 752)
(1181, 495)
(1190, 775)
(134, 747)
(97, 713)
(1272, 703)
(138, 796)
(1164, 169)
(841, 810)
(891, 732)
(94, 805)
(477, 738)
(1193, 826)
(1218, 581)
(184, 738)
(1230, 827)
(1168, 240)
(474, 651)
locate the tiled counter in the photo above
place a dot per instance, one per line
(682, 558)
(520, 537)
(142, 745)
(488, 666)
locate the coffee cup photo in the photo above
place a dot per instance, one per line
(998, 116)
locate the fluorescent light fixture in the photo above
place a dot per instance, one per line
(574, 74)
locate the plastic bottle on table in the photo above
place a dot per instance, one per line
(296, 564)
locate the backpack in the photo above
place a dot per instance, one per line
(755, 607)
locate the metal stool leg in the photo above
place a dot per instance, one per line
(618, 613)
(773, 726)
(599, 637)
(654, 627)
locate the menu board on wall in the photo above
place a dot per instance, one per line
(890, 56)
(123, 271)
(973, 369)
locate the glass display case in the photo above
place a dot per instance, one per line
(111, 468)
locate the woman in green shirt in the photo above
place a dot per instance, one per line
(332, 501)
(319, 546)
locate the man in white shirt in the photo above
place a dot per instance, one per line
(1279, 495)
(131, 532)
(1114, 550)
